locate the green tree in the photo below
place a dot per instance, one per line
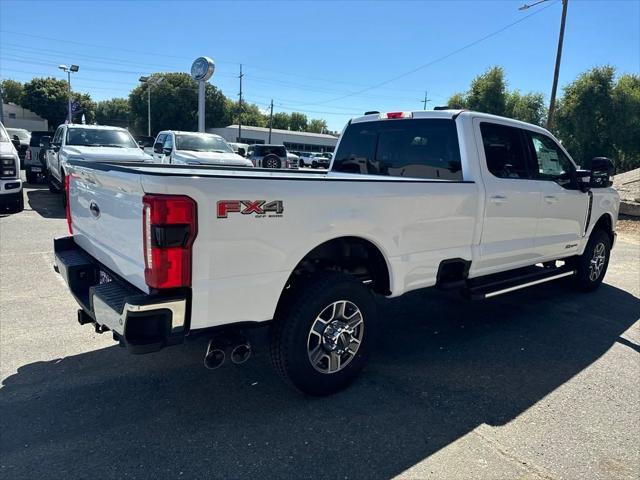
(298, 122)
(317, 126)
(281, 120)
(529, 108)
(174, 104)
(488, 92)
(85, 106)
(47, 97)
(253, 116)
(113, 112)
(585, 114)
(12, 91)
(457, 100)
(626, 122)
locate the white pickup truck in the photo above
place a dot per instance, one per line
(451, 199)
(87, 143)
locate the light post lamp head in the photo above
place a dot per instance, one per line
(64, 68)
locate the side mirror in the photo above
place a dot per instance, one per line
(16, 142)
(45, 142)
(141, 145)
(242, 152)
(166, 151)
(157, 147)
(583, 178)
(602, 172)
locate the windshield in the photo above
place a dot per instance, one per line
(93, 137)
(21, 134)
(202, 143)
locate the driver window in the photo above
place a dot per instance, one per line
(550, 162)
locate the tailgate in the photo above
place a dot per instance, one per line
(106, 211)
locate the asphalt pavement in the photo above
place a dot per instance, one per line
(539, 384)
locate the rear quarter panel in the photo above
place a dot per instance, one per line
(242, 262)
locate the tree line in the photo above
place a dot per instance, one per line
(598, 113)
(174, 100)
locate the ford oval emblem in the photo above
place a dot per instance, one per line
(94, 209)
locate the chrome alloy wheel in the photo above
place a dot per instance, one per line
(335, 337)
(596, 264)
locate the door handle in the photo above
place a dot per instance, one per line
(551, 199)
(497, 199)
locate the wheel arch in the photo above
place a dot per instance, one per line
(355, 255)
(605, 223)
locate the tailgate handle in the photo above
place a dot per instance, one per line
(94, 209)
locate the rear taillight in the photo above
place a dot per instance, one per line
(67, 204)
(170, 225)
(27, 156)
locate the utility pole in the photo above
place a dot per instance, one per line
(240, 108)
(426, 99)
(556, 72)
(270, 120)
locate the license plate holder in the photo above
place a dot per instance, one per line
(36, 169)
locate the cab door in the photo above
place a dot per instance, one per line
(511, 202)
(563, 207)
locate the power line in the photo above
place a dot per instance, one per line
(436, 60)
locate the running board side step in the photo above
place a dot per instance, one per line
(494, 285)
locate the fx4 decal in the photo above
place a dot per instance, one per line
(258, 208)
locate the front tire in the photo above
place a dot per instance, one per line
(321, 339)
(592, 264)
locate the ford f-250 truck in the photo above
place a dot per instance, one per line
(451, 199)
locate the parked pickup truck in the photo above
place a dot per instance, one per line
(448, 199)
(193, 148)
(87, 143)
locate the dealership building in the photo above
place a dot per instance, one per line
(294, 141)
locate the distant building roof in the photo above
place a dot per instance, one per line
(279, 130)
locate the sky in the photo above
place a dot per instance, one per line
(331, 60)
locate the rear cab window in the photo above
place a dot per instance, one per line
(416, 148)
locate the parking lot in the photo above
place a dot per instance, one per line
(538, 384)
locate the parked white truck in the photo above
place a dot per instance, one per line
(10, 183)
(194, 148)
(87, 143)
(451, 199)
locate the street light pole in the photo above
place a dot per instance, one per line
(148, 109)
(69, 70)
(556, 72)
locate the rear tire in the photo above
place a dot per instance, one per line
(32, 177)
(321, 338)
(591, 266)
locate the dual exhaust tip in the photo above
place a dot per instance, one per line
(217, 353)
